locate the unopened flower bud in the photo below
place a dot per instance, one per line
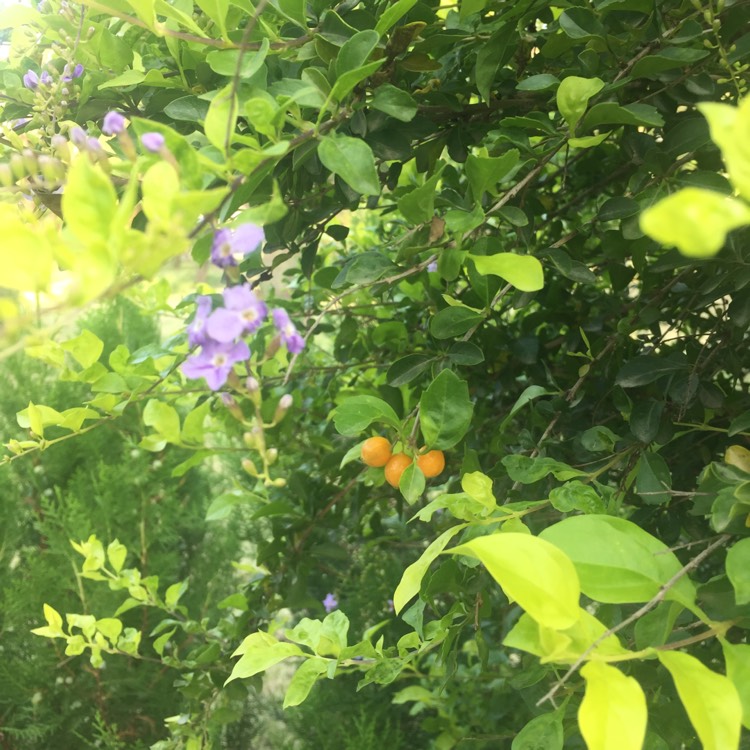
(17, 165)
(153, 142)
(252, 385)
(114, 123)
(271, 455)
(6, 176)
(284, 403)
(280, 482)
(29, 160)
(51, 169)
(249, 467)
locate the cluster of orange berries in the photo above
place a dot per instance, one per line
(377, 452)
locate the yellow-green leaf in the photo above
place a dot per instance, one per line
(534, 573)
(710, 699)
(695, 221)
(522, 271)
(613, 712)
(729, 131)
(89, 202)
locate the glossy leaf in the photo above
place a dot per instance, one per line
(357, 413)
(352, 160)
(445, 411)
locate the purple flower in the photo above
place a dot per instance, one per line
(432, 267)
(214, 362)
(77, 72)
(30, 79)
(242, 313)
(153, 142)
(330, 602)
(78, 136)
(93, 145)
(289, 334)
(114, 123)
(390, 605)
(196, 331)
(45, 79)
(231, 245)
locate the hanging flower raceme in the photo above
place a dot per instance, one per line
(242, 313)
(287, 331)
(219, 333)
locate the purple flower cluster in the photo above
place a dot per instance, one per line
(33, 81)
(220, 332)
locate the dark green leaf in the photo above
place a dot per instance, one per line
(352, 160)
(453, 321)
(445, 411)
(653, 480)
(407, 368)
(395, 102)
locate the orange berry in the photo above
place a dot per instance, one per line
(431, 463)
(396, 467)
(376, 451)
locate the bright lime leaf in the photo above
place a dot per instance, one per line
(695, 221)
(617, 561)
(613, 714)
(89, 202)
(221, 118)
(304, 678)
(522, 271)
(563, 646)
(164, 419)
(573, 96)
(484, 172)
(738, 570)
(729, 128)
(737, 657)
(532, 572)
(710, 699)
(258, 652)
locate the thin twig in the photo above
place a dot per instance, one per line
(319, 317)
(647, 607)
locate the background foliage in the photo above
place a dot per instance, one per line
(516, 232)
